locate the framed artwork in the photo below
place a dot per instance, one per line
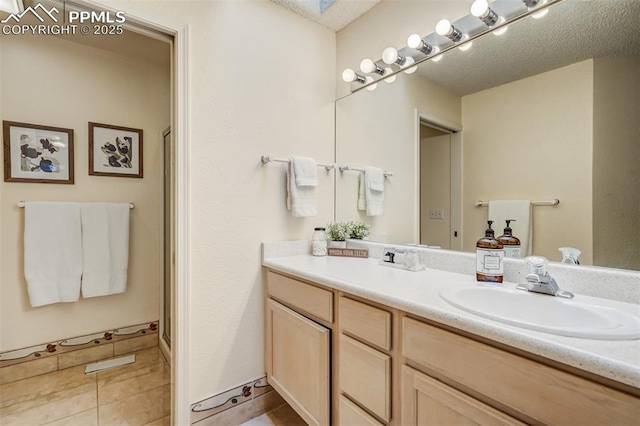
(115, 151)
(37, 154)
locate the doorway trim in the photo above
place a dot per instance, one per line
(180, 403)
(455, 129)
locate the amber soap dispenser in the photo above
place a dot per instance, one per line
(511, 244)
(489, 257)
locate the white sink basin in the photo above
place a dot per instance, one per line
(565, 317)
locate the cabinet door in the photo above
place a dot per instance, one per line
(297, 357)
(426, 401)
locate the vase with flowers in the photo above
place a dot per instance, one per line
(340, 232)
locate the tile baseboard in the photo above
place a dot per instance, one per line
(236, 405)
(28, 362)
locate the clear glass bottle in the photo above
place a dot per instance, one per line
(570, 255)
(319, 242)
(489, 257)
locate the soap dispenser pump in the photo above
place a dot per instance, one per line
(511, 244)
(489, 257)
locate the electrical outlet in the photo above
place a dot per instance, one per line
(436, 213)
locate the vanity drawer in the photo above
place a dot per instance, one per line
(313, 300)
(370, 324)
(538, 391)
(365, 375)
(352, 415)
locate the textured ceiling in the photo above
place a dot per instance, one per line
(573, 31)
(333, 14)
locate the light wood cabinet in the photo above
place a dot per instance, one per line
(352, 415)
(381, 367)
(371, 324)
(529, 389)
(305, 298)
(426, 402)
(298, 362)
(365, 375)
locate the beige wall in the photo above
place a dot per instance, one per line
(532, 139)
(54, 82)
(435, 184)
(364, 136)
(260, 82)
(616, 162)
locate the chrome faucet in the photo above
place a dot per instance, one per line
(539, 280)
(405, 258)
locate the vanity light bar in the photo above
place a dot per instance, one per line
(267, 159)
(553, 202)
(492, 21)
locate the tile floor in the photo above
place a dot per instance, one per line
(281, 416)
(134, 394)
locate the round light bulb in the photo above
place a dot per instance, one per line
(389, 55)
(540, 14)
(479, 8)
(348, 75)
(414, 41)
(367, 66)
(391, 79)
(466, 46)
(371, 87)
(410, 69)
(443, 27)
(501, 31)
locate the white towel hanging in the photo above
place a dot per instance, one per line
(105, 248)
(52, 252)
(372, 179)
(301, 197)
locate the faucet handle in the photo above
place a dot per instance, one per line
(537, 264)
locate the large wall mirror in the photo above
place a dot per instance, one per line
(549, 110)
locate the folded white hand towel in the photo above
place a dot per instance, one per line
(105, 248)
(374, 177)
(522, 228)
(52, 252)
(305, 170)
(301, 199)
(374, 190)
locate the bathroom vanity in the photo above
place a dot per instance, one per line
(350, 342)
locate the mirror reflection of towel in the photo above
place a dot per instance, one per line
(371, 191)
(522, 228)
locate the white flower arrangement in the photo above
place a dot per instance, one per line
(358, 230)
(341, 231)
(337, 231)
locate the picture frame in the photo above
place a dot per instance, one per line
(35, 153)
(115, 151)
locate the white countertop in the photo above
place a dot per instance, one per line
(417, 293)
